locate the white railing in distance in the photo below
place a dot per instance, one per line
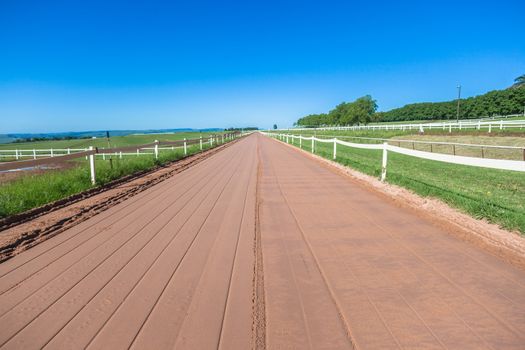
(501, 164)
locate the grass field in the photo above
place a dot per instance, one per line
(495, 195)
(117, 141)
(33, 190)
(496, 153)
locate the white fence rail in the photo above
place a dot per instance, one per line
(62, 155)
(18, 154)
(478, 124)
(510, 152)
(502, 164)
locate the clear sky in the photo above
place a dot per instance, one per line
(97, 65)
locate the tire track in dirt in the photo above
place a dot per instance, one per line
(259, 308)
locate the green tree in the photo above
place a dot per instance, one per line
(274, 126)
(519, 81)
(360, 111)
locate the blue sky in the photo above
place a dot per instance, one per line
(97, 65)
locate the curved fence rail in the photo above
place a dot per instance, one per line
(502, 164)
(92, 152)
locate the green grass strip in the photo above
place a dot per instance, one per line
(34, 190)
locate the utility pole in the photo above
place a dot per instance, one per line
(109, 147)
(459, 99)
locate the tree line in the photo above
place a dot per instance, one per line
(497, 102)
(248, 128)
(363, 110)
(53, 138)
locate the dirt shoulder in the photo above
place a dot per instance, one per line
(40, 224)
(508, 246)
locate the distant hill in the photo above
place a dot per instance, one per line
(8, 138)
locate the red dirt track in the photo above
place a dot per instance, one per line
(259, 246)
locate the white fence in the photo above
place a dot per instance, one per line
(503, 164)
(478, 124)
(62, 155)
(18, 154)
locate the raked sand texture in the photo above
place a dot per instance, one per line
(259, 245)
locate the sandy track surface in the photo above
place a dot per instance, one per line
(344, 268)
(28, 229)
(170, 267)
(259, 246)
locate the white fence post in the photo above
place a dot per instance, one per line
(185, 148)
(313, 144)
(120, 155)
(16, 154)
(68, 151)
(34, 154)
(300, 141)
(156, 149)
(490, 127)
(383, 166)
(200, 143)
(335, 148)
(103, 156)
(52, 154)
(92, 166)
(138, 152)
